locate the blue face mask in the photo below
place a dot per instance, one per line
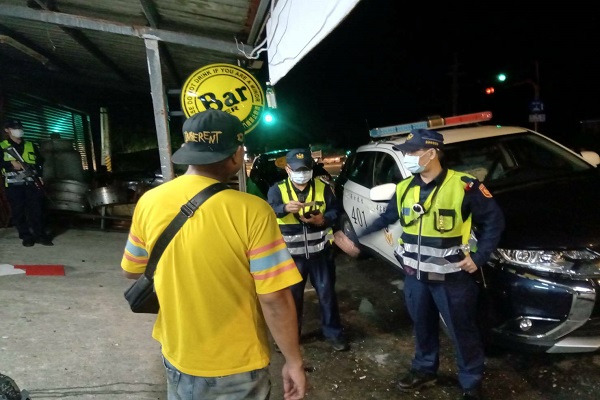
(412, 163)
(301, 177)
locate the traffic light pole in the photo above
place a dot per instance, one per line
(536, 89)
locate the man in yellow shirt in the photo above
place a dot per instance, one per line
(224, 278)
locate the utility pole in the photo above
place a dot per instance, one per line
(537, 115)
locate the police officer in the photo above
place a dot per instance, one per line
(438, 209)
(305, 209)
(23, 189)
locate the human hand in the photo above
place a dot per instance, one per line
(293, 206)
(348, 246)
(294, 381)
(16, 165)
(467, 264)
(317, 219)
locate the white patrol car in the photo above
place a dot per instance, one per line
(543, 283)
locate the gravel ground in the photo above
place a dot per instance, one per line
(380, 332)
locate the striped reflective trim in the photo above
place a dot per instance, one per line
(135, 251)
(278, 271)
(134, 239)
(309, 236)
(311, 249)
(136, 260)
(269, 261)
(431, 267)
(269, 247)
(431, 251)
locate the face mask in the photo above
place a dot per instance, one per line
(412, 163)
(18, 133)
(301, 177)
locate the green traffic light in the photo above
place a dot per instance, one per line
(269, 118)
(501, 77)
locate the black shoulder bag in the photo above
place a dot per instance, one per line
(141, 295)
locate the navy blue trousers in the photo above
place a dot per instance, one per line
(27, 210)
(456, 301)
(320, 269)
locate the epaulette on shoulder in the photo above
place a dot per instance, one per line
(468, 179)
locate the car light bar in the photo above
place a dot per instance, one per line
(430, 123)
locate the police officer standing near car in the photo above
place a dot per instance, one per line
(306, 211)
(23, 184)
(438, 208)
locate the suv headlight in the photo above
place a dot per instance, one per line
(573, 263)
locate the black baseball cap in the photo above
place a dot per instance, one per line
(13, 124)
(421, 139)
(210, 136)
(299, 158)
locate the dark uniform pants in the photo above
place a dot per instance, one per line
(26, 206)
(456, 301)
(320, 269)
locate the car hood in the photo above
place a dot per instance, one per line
(555, 215)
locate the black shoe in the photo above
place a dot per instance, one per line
(414, 380)
(45, 241)
(28, 242)
(472, 394)
(339, 343)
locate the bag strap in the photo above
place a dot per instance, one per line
(185, 213)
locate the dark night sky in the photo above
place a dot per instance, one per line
(386, 64)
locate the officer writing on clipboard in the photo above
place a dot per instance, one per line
(438, 208)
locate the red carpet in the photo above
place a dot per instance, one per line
(42, 269)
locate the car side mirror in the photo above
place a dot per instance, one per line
(591, 156)
(382, 192)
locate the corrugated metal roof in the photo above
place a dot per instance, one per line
(99, 46)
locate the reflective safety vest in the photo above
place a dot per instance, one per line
(439, 234)
(18, 177)
(304, 238)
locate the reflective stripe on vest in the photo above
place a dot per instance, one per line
(444, 234)
(304, 238)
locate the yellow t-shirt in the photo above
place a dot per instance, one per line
(210, 321)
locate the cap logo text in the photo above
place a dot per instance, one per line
(211, 137)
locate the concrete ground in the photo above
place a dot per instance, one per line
(73, 336)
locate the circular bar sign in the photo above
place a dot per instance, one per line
(224, 87)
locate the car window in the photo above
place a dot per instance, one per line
(512, 159)
(386, 169)
(361, 170)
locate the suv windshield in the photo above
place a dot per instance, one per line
(512, 159)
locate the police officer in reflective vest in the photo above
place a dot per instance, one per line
(305, 209)
(438, 209)
(23, 190)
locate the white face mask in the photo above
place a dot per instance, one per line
(18, 133)
(412, 163)
(301, 177)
